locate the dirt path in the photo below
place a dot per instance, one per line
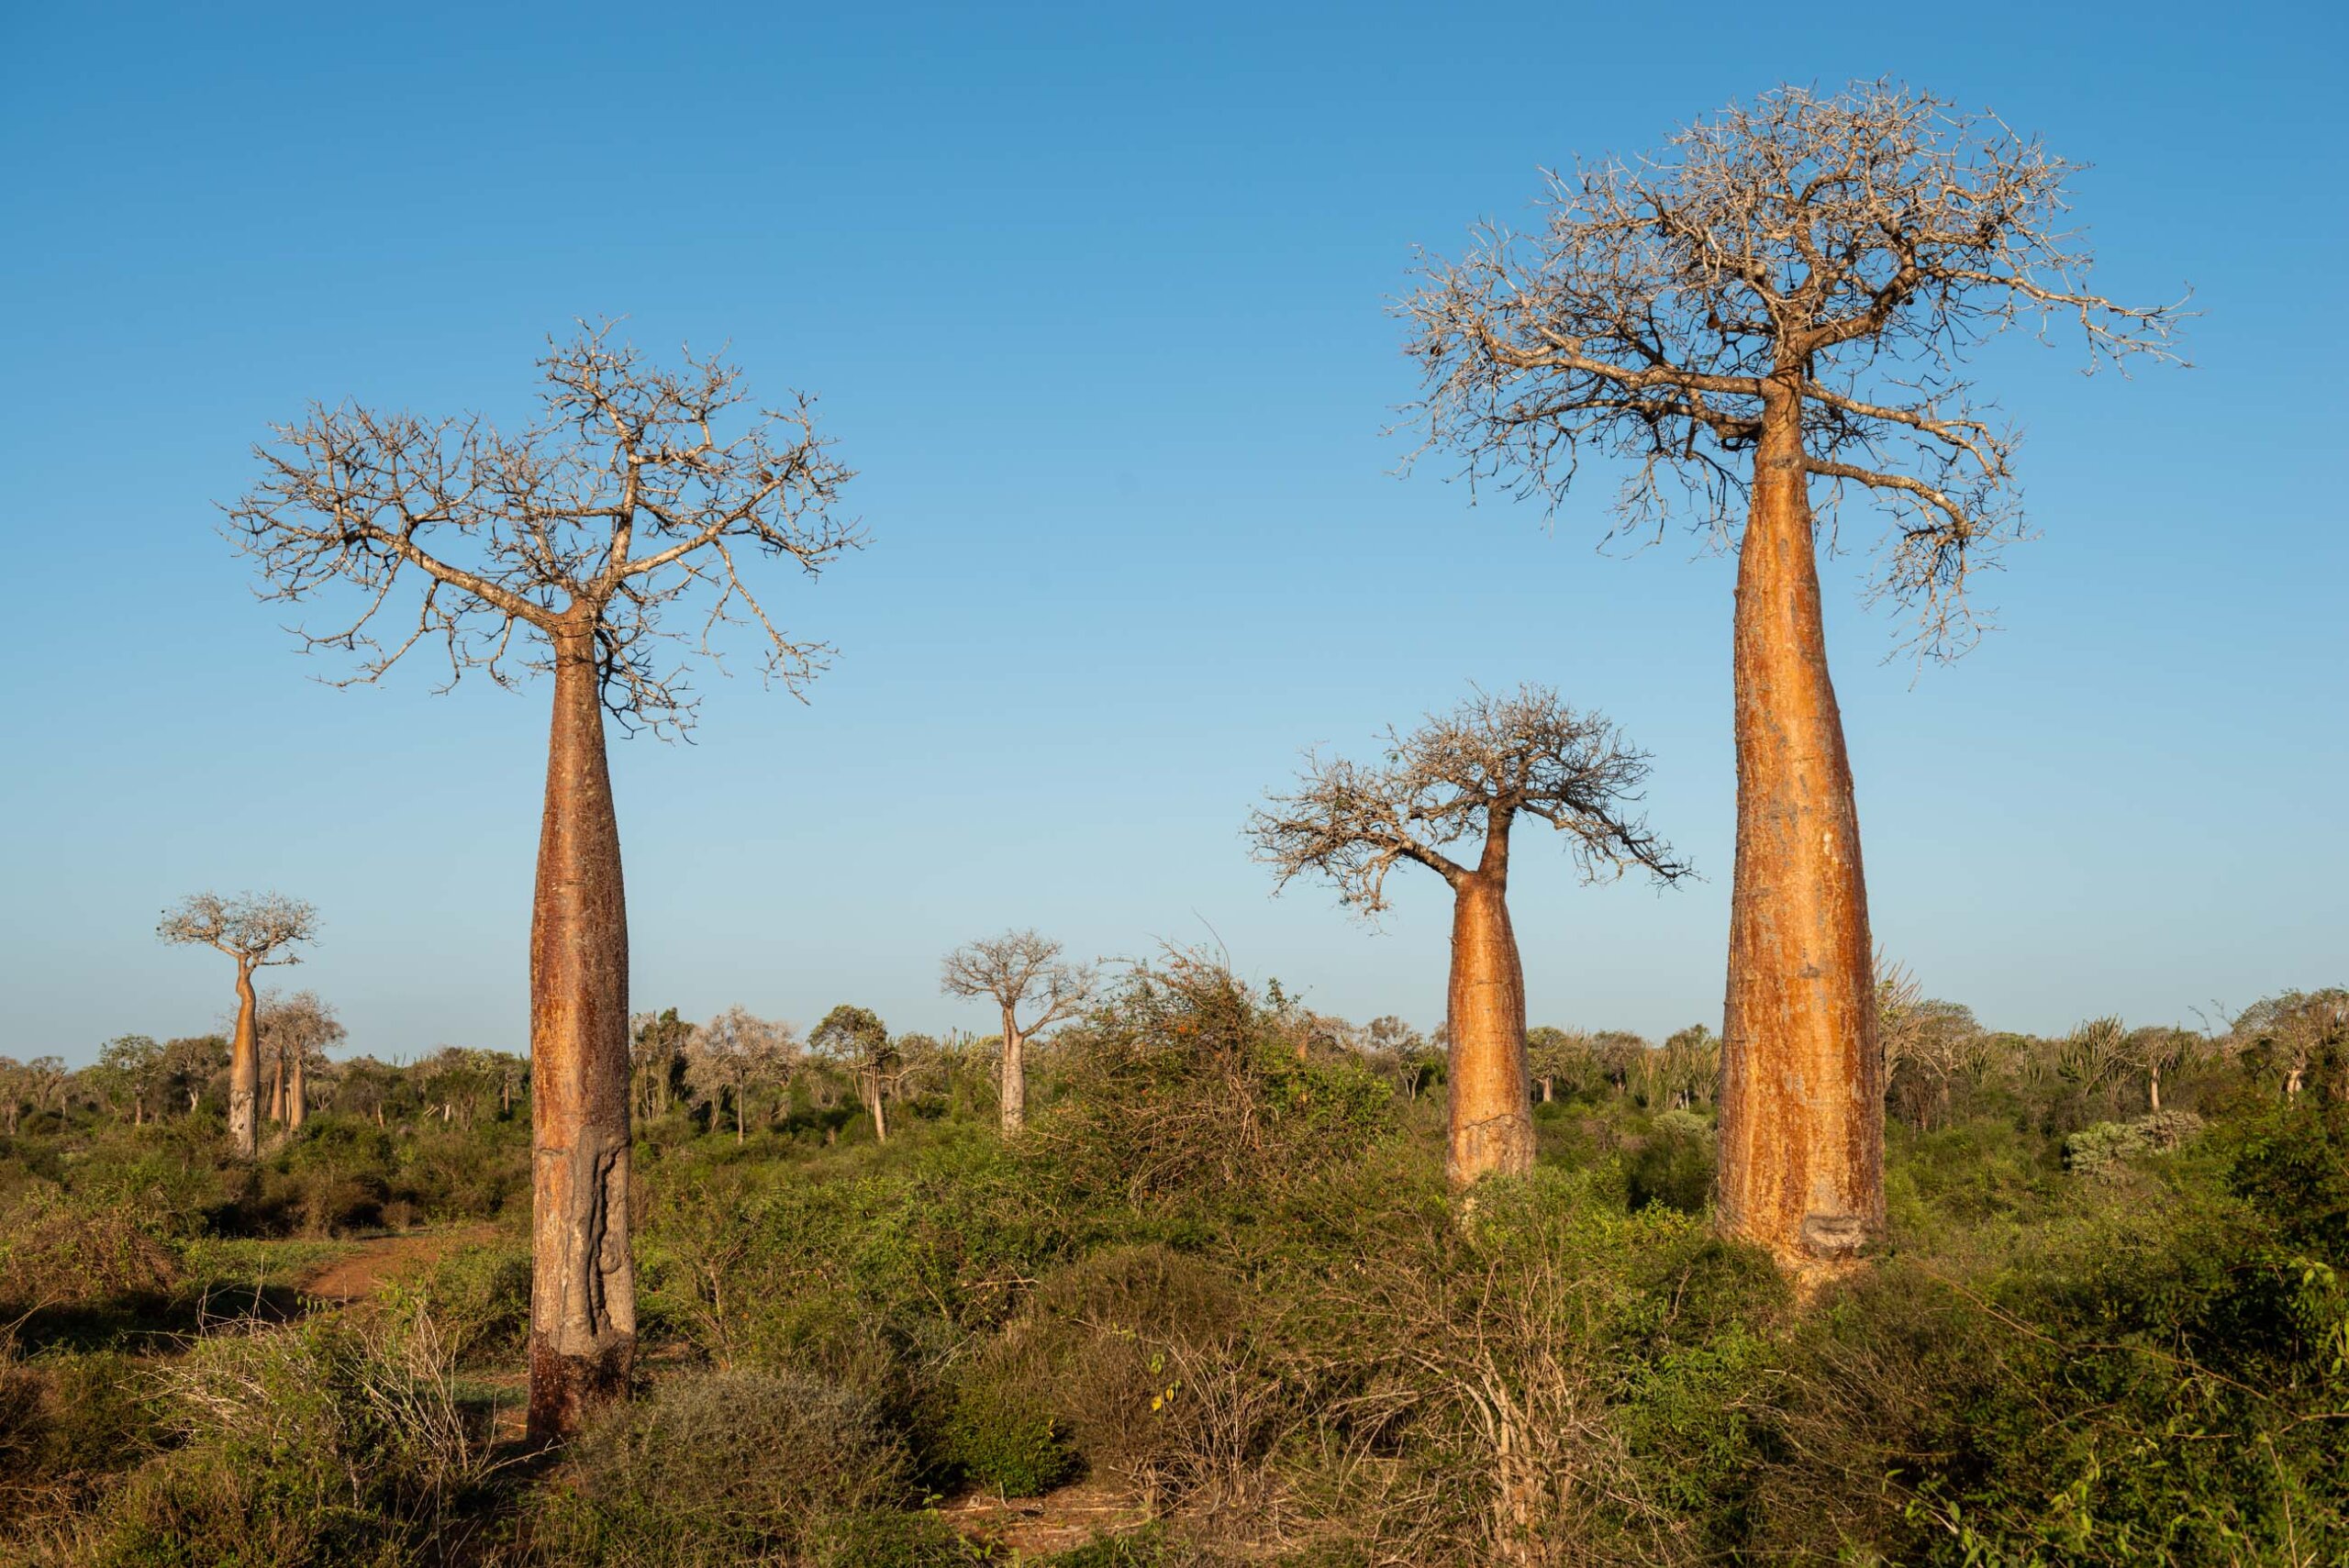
(376, 1262)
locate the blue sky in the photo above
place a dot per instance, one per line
(1095, 298)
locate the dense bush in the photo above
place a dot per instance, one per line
(719, 1469)
(1221, 1281)
(331, 1443)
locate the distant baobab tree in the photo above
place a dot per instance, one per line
(563, 548)
(1789, 292)
(297, 1031)
(1470, 774)
(257, 930)
(1017, 969)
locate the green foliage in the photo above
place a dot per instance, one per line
(325, 1443)
(1006, 1439)
(2103, 1151)
(1674, 1165)
(718, 1469)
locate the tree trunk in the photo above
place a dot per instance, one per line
(2153, 1089)
(277, 1085)
(737, 1115)
(1490, 1089)
(880, 1110)
(244, 1067)
(1546, 1095)
(298, 1098)
(582, 1283)
(1802, 1093)
(1014, 1088)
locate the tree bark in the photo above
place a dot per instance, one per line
(297, 1099)
(1489, 1083)
(244, 1066)
(1802, 1094)
(583, 1284)
(880, 1109)
(1014, 1088)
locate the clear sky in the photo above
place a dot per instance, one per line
(1094, 297)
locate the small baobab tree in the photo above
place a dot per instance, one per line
(295, 1031)
(257, 930)
(1786, 297)
(1018, 969)
(563, 548)
(1470, 775)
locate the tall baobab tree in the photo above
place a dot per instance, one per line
(295, 1030)
(1470, 774)
(1017, 969)
(1786, 295)
(563, 548)
(257, 930)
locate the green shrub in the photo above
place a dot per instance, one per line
(60, 1255)
(1007, 1439)
(480, 1296)
(716, 1469)
(2103, 1151)
(1673, 1164)
(326, 1442)
(877, 1538)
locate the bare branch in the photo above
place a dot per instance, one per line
(1864, 244)
(620, 500)
(1467, 775)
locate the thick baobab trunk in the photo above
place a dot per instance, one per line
(880, 1109)
(1491, 1113)
(582, 1284)
(1802, 1092)
(277, 1087)
(1014, 1088)
(244, 1067)
(297, 1097)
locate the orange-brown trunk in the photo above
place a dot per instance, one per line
(1490, 1116)
(583, 1286)
(297, 1099)
(244, 1067)
(1014, 1088)
(1802, 1095)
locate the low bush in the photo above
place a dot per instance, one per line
(716, 1469)
(327, 1442)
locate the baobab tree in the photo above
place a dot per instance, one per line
(295, 1030)
(1017, 969)
(564, 547)
(1469, 775)
(257, 930)
(1787, 296)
